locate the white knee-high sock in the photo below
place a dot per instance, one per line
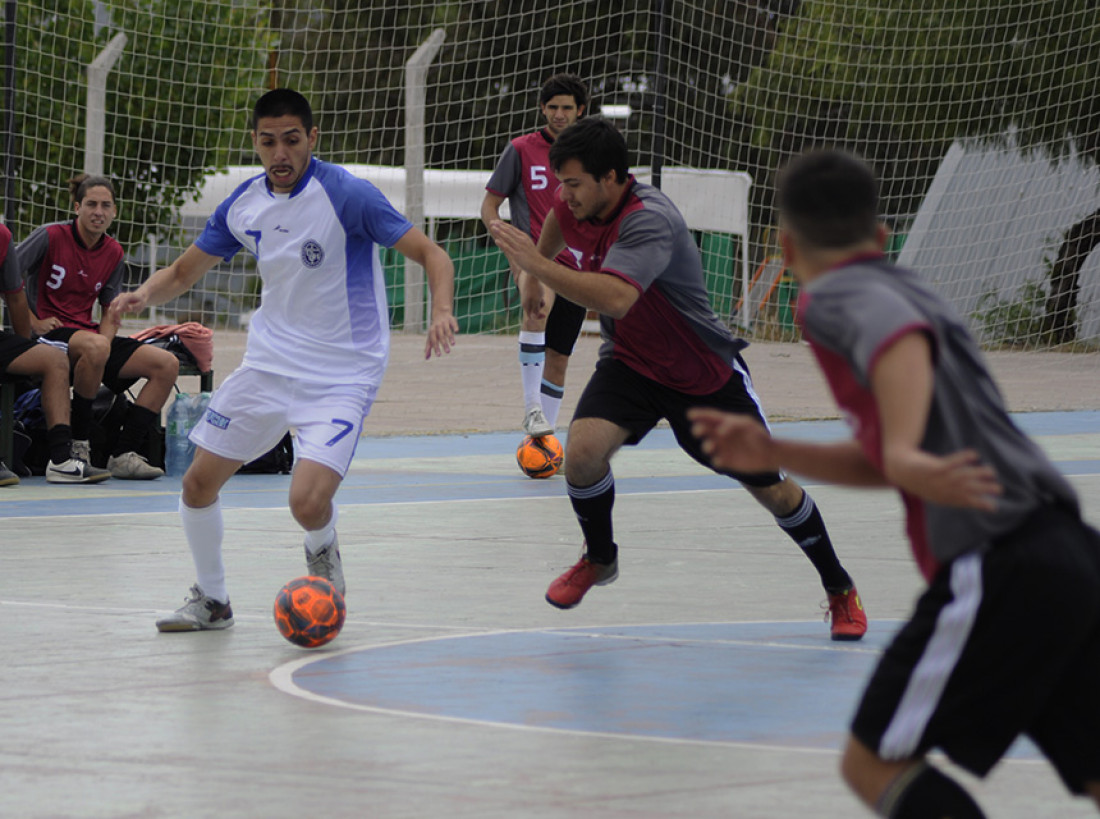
(318, 539)
(551, 401)
(204, 529)
(532, 357)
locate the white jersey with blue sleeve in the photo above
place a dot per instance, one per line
(323, 314)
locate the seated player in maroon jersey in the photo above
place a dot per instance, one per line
(69, 266)
(20, 357)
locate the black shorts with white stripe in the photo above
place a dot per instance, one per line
(1002, 643)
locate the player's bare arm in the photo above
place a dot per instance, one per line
(902, 382)
(536, 297)
(40, 326)
(440, 270)
(601, 292)
(490, 208)
(490, 212)
(167, 283)
(742, 444)
(19, 312)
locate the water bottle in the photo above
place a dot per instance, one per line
(177, 455)
(198, 409)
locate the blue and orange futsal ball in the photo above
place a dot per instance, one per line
(539, 457)
(309, 611)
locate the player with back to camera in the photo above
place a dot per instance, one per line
(317, 346)
(69, 266)
(992, 524)
(20, 357)
(664, 351)
(523, 177)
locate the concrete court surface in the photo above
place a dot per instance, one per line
(700, 684)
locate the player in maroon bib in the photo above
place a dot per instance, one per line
(523, 177)
(22, 358)
(664, 351)
(69, 266)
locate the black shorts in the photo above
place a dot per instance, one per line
(1000, 644)
(11, 347)
(628, 399)
(122, 347)
(563, 325)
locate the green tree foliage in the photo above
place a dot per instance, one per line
(177, 103)
(898, 81)
(350, 56)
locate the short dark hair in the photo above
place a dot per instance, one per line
(283, 102)
(79, 184)
(568, 84)
(597, 144)
(829, 198)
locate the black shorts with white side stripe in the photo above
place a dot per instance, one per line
(1002, 643)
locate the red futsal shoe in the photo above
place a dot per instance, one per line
(849, 620)
(569, 589)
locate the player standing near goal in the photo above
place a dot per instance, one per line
(991, 522)
(22, 357)
(69, 266)
(664, 352)
(317, 346)
(523, 177)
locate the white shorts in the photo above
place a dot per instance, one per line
(252, 410)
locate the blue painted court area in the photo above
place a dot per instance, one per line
(773, 684)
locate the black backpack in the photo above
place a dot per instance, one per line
(278, 461)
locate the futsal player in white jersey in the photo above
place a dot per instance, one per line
(317, 346)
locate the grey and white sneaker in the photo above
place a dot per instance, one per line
(7, 477)
(82, 450)
(75, 470)
(327, 564)
(199, 613)
(129, 466)
(535, 423)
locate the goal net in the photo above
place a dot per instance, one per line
(981, 119)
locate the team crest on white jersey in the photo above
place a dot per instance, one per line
(312, 254)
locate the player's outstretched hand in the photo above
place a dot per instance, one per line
(733, 442)
(441, 335)
(514, 243)
(126, 303)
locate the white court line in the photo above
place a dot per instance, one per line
(282, 678)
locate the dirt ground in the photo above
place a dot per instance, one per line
(476, 387)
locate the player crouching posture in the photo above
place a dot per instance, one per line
(991, 522)
(664, 352)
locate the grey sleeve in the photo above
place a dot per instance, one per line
(857, 316)
(643, 248)
(508, 173)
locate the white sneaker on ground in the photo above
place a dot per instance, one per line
(199, 613)
(75, 470)
(327, 564)
(129, 466)
(535, 423)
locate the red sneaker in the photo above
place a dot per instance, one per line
(849, 620)
(570, 588)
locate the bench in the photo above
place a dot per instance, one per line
(7, 408)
